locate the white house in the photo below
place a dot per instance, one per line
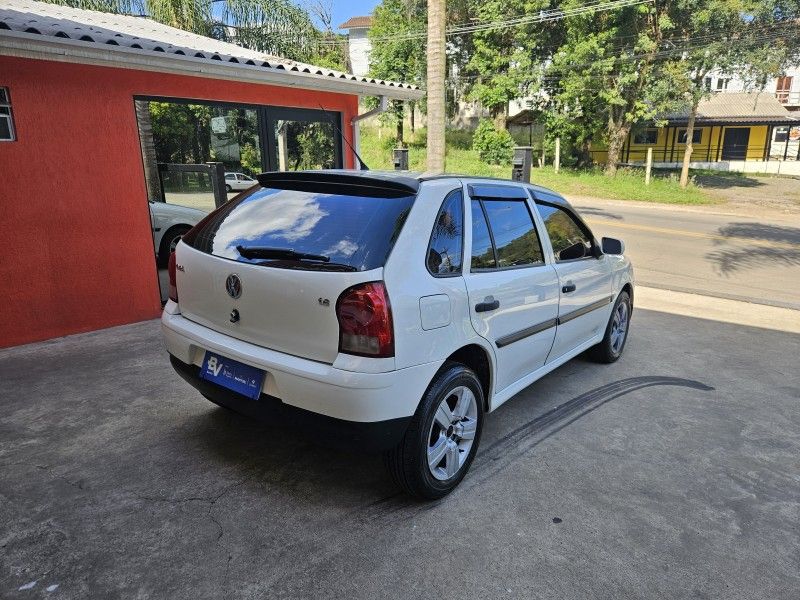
(358, 43)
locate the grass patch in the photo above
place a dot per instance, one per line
(628, 184)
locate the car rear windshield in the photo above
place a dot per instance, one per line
(304, 229)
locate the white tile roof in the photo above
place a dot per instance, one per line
(37, 21)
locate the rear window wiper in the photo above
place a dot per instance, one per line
(279, 253)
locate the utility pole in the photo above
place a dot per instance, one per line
(436, 76)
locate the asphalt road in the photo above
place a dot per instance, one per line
(671, 474)
(700, 250)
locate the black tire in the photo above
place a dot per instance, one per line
(173, 233)
(228, 188)
(605, 352)
(408, 461)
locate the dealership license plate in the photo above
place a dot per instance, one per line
(231, 374)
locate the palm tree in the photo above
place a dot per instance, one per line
(435, 83)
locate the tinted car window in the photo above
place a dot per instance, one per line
(515, 236)
(482, 250)
(353, 232)
(562, 229)
(444, 252)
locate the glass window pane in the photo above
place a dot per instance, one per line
(562, 229)
(482, 250)
(3, 95)
(444, 253)
(304, 145)
(514, 233)
(5, 128)
(355, 231)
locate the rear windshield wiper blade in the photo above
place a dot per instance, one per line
(279, 253)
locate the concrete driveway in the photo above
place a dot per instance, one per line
(672, 474)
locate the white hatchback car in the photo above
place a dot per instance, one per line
(238, 182)
(391, 311)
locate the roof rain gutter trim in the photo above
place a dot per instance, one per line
(29, 45)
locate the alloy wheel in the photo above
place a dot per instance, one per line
(452, 433)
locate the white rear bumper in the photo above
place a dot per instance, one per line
(303, 383)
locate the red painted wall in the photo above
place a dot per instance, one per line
(77, 250)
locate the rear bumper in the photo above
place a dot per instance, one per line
(367, 437)
(305, 384)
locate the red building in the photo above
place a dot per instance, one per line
(78, 245)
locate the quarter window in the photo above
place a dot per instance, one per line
(444, 252)
(563, 230)
(7, 133)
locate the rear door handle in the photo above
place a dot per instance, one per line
(569, 287)
(487, 306)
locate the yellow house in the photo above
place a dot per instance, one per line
(730, 128)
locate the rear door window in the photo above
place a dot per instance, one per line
(515, 238)
(304, 229)
(482, 247)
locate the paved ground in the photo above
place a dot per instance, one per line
(671, 474)
(751, 255)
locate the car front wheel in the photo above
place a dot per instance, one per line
(443, 436)
(610, 349)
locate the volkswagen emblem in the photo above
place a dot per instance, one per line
(233, 285)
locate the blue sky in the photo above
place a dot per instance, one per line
(344, 9)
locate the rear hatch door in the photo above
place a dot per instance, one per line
(280, 258)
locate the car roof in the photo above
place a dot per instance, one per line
(399, 181)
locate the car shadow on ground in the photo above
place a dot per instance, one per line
(283, 456)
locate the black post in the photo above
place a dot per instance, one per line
(400, 159)
(216, 171)
(522, 163)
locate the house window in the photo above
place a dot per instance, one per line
(646, 136)
(783, 88)
(781, 134)
(6, 117)
(697, 135)
(722, 83)
(707, 83)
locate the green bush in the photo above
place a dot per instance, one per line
(459, 138)
(493, 146)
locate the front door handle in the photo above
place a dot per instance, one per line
(569, 287)
(487, 305)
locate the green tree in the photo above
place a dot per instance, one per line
(397, 53)
(501, 58)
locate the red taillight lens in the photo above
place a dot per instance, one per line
(365, 321)
(173, 282)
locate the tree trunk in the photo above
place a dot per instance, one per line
(399, 130)
(617, 134)
(500, 117)
(687, 153)
(413, 107)
(436, 93)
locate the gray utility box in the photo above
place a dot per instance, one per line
(401, 159)
(521, 164)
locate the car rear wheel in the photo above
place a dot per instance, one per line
(610, 349)
(443, 436)
(170, 241)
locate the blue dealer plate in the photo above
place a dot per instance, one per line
(235, 376)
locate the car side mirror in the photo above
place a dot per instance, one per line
(612, 246)
(577, 250)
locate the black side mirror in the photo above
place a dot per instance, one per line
(612, 246)
(577, 250)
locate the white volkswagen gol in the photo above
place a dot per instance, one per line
(391, 311)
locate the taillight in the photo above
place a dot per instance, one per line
(365, 321)
(173, 282)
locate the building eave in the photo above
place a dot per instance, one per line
(28, 45)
